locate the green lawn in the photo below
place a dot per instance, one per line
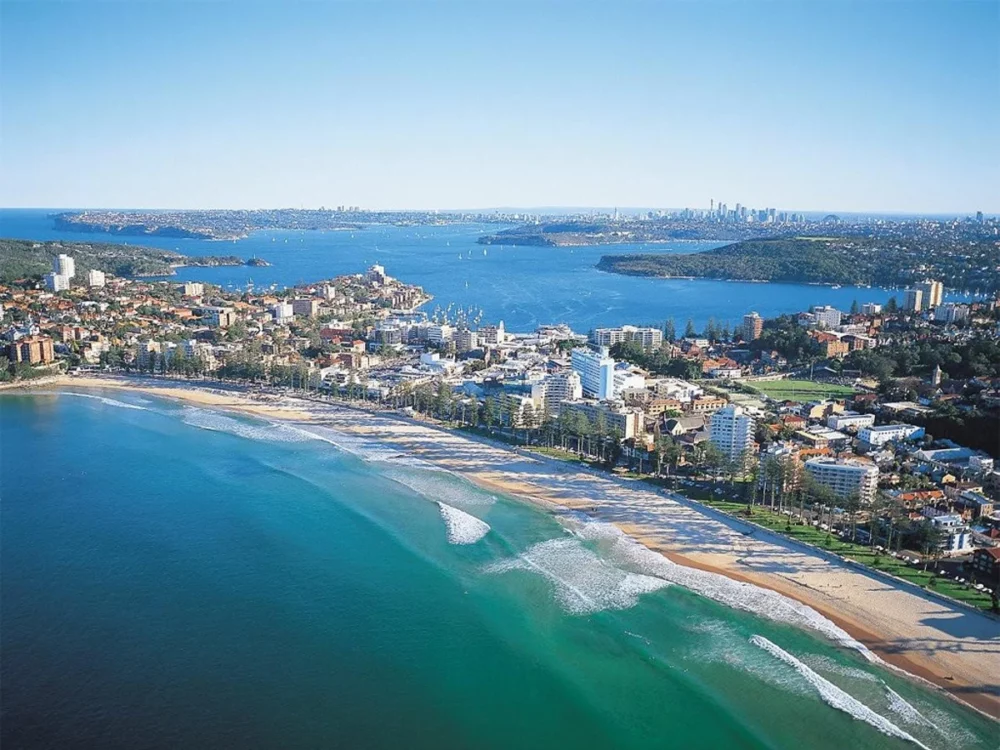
(857, 552)
(800, 390)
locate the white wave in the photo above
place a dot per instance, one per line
(267, 432)
(583, 582)
(105, 400)
(364, 448)
(625, 551)
(441, 486)
(826, 664)
(899, 705)
(463, 528)
(834, 696)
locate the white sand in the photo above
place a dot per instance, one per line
(955, 647)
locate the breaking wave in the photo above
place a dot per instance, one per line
(105, 400)
(364, 448)
(463, 528)
(899, 705)
(625, 551)
(834, 696)
(268, 432)
(441, 486)
(582, 581)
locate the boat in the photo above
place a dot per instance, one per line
(836, 286)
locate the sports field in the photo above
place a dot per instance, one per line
(801, 390)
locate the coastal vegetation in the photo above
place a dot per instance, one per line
(862, 261)
(20, 259)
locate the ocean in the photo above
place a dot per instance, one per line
(523, 286)
(173, 576)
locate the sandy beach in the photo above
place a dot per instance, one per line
(949, 645)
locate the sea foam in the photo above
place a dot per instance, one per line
(582, 581)
(267, 432)
(105, 400)
(626, 552)
(834, 696)
(463, 528)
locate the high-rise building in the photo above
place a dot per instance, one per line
(753, 324)
(95, 278)
(871, 308)
(596, 371)
(283, 312)
(192, 289)
(559, 387)
(56, 282)
(933, 291)
(648, 338)
(731, 430)
(845, 476)
(827, 316)
(952, 313)
(979, 216)
(64, 265)
(32, 350)
(913, 300)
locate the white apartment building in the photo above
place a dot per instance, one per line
(846, 477)
(826, 316)
(64, 265)
(221, 317)
(283, 312)
(466, 340)
(623, 380)
(596, 371)
(849, 419)
(886, 433)
(628, 422)
(731, 430)
(440, 334)
(913, 300)
(56, 282)
(559, 387)
(95, 278)
(933, 292)
(648, 338)
(952, 313)
(674, 388)
(871, 308)
(493, 335)
(192, 289)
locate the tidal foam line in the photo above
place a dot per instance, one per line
(834, 696)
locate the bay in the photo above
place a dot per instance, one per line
(176, 577)
(523, 286)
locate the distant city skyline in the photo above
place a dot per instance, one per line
(855, 108)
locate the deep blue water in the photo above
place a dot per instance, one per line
(178, 578)
(523, 286)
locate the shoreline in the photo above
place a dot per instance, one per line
(904, 640)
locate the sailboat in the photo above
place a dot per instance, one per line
(484, 251)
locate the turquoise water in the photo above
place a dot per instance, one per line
(174, 577)
(523, 286)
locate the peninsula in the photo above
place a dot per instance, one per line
(21, 259)
(859, 261)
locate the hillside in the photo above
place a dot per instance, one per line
(826, 260)
(25, 258)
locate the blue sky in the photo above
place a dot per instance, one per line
(811, 105)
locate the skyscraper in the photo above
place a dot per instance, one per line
(731, 430)
(753, 324)
(64, 265)
(913, 300)
(596, 371)
(933, 291)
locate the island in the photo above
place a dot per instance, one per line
(856, 261)
(21, 259)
